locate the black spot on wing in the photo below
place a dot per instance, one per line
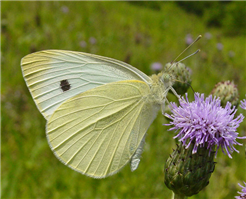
(65, 85)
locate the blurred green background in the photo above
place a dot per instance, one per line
(139, 33)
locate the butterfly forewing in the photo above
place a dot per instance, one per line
(98, 131)
(54, 76)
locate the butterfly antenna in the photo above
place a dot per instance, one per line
(189, 56)
(199, 37)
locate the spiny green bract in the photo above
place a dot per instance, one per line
(187, 174)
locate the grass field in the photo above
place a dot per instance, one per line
(139, 34)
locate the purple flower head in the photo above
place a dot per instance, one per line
(219, 46)
(83, 44)
(208, 35)
(188, 39)
(156, 66)
(205, 122)
(243, 104)
(92, 40)
(243, 193)
(64, 9)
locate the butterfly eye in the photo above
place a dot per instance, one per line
(166, 78)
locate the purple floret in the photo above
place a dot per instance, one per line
(243, 193)
(205, 122)
(243, 104)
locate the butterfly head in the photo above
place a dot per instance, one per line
(167, 79)
(160, 85)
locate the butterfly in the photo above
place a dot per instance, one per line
(98, 109)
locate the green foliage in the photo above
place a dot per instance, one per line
(156, 5)
(229, 15)
(198, 8)
(234, 22)
(216, 11)
(139, 35)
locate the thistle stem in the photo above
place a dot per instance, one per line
(176, 196)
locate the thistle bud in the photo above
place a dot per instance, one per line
(187, 174)
(226, 91)
(183, 76)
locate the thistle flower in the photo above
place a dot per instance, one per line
(156, 66)
(243, 104)
(226, 91)
(208, 35)
(64, 9)
(187, 174)
(93, 40)
(83, 44)
(219, 46)
(183, 77)
(188, 39)
(205, 122)
(243, 193)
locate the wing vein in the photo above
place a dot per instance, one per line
(102, 142)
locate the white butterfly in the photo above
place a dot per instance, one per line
(97, 109)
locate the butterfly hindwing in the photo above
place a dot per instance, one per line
(98, 131)
(54, 76)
